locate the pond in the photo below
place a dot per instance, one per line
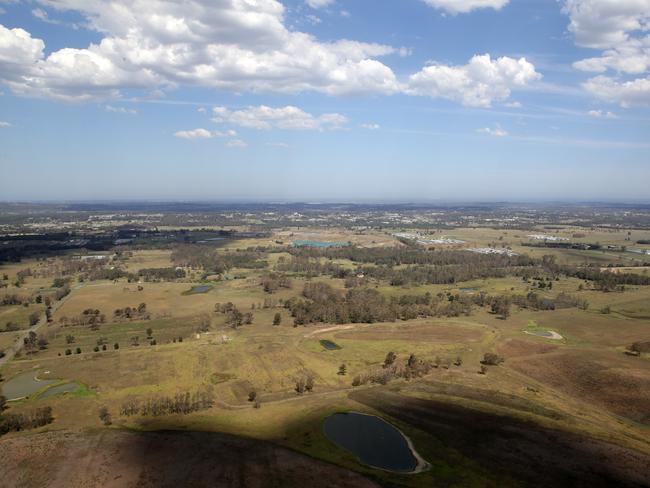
(24, 385)
(374, 441)
(329, 345)
(467, 290)
(59, 389)
(198, 289)
(307, 243)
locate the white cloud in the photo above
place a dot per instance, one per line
(619, 28)
(344, 13)
(237, 143)
(204, 134)
(234, 45)
(514, 104)
(4, 124)
(598, 114)
(281, 145)
(464, 6)
(120, 110)
(289, 117)
(625, 93)
(478, 83)
(194, 134)
(497, 131)
(319, 3)
(602, 24)
(371, 126)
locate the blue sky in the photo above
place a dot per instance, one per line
(355, 100)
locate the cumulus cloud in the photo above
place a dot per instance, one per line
(204, 134)
(194, 134)
(497, 131)
(625, 93)
(4, 124)
(477, 84)
(618, 28)
(240, 46)
(289, 117)
(464, 6)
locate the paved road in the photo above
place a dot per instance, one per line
(10, 352)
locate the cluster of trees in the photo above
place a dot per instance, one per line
(34, 342)
(25, 420)
(563, 300)
(322, 303)
(272, 282)
(213, 262)
(90, 316)
(304, 385)
(161, 274)
(234, 318)
(132, 313)
(181, 403)
(412, 367)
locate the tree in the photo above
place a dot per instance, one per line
(135, 341)
(105, 416)
(309, 384)
(492, 359)
(252, 396)
(277, 318)
(459, 361)
(116, 346)
(3, 402)
(149, 333)
(42, 343)
(68, 352)
(69, 339)
(390, 359)
(483, 369)
(34, 318)
(78, 351)
(96, 349)
(343, 370)
(501, 307)
(300, 386)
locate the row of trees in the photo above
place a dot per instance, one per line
(13, 422)
(181, 403)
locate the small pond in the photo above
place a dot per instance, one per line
(24, 385)
(199, 289)
(329, 345)
(307, 243)
(373, 440)
(467, 290)
(59, 389)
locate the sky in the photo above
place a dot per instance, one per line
(325, 100)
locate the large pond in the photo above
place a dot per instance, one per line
(24, 385)
(373, 440)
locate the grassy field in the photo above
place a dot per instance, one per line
(582, 387)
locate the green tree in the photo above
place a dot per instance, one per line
(277, 318)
